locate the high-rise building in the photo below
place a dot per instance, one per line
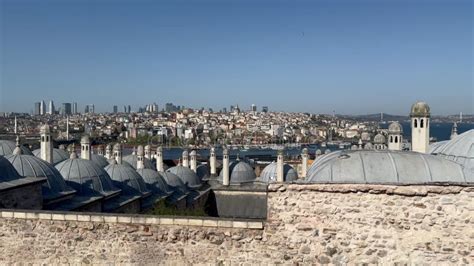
(74, 108)
(51, 110)
(66, 109)
(37, 110)
(124, 108)
(43, 108)
(129, 109)
(89, 109)
(253, 108)
(115, 109)
(265, 109)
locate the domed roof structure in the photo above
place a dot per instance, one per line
(133, 158)
(7, 171)
(269, 173)
(459, 149)
(202, 171)
(186, 175)
(420, 109)
(395, 128)
(240, 172)
(155, 182)
(319, 160)
(99, 160)
(318, 152)
(58, 155)
(32, 166)
(387, 167)
(86, 177)
(379, 139)
(175, 183)
(126, 178)
(7, 147)
(368, 146)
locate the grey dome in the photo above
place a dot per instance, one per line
(155, 182)
(395, 128)
(420, 109)
(437, 146)
(368, 146)
(387, 167)
(133, 158)
(202, 171)
(460, 150)
(58, 155)
(379, 139)
(7, 147)
(318, 152)
(86, 177)
(240, 172)
(269, 173)
(7, 171)
(186, 175)
(112, 161)
(127, 179)
(31, 166)
(175, 183)
(99, 160)
(85, 139)
(320, 160)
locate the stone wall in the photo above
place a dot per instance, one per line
(306, 224)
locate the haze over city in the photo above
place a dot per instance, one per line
(354, 57)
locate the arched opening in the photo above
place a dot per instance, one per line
(396, 139)
(421, 123)
(415, 123)
(42, 139)
(391, 139)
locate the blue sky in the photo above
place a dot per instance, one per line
(354, 57)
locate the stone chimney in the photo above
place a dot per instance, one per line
(280, 166)
(85, 148)
(304, 162)
(140, 157)
(225, 167)
(185, 158)
(46, 144)
(193, 161)
(212, 162)
(159, 159)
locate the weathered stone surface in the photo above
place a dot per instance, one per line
(307, 224)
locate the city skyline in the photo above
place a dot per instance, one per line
(358, 57)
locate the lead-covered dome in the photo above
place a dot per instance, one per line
(132, 159)
(186, 175)
(420, 109)
(126, 178)
(86, 177)
(7, 171)
(99, 160)
(58, 155)
(387, 167)
(155, 182)
(175, 183)
(379, 139)
(7, 147)
(240, 172)
(269, 173)
(395, 128)
(32, 166)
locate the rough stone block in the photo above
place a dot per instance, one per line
(7, 214)
(255, 225)
(58, 217)
(239, 224)
(124, 219)
(19, 215)
(138, 220)
(45, 216)
(166, 221)
(110, 219)
(70, 217)
(152, 220)
(180, 221)
(83, 218)
(226, 224)
(195, 222)
(97, 218)
(210, 223)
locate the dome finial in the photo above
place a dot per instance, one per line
(17, 150)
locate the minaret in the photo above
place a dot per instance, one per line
(280, 166)
(225, 167)
(395, 135)
(212, 162)
(140, 157)
(304, 162)
(148, 152)
(185, 158)
(108, 152)
(159, 159)
(17, 150)
(454, 131)
(67, 127)
(46, 144)
(118, 153)
(85, 148)
(193, 160)
(420, 127)
(16, 126)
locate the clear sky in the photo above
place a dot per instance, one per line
(351, 56)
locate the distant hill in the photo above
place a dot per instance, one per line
(376, 117)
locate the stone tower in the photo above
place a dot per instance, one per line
(395, 135)
(85, 148)
(46, 144)
(420, 127)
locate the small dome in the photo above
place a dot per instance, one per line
(327, 151)
(58, 155)
(240, 172)
(117, 147)
(85, 139)
(7, 171)
(379, 139)
(305, 151)
(186, 175)
(269, 173)
(31, 166)
(202, 171)
(395, 128)
(387, 167)
(365, 136)
(140, 150)
(7, 147)
(86, 177)
(185, 153)
(44, 129)
(127, 179)
(420, 109)
(99, 160)
(193, 153)
(155, 182)
(320, 160)
(133, 158)
(368, 146)
(175, 183)
(318, 152)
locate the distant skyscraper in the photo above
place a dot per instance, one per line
(43, 108)
(66, 109)
(90, 108)
(37, 110)
(265, 109)
(253, 108)
(124, 108)
(129, 109)
(224, 110)
(115, 109)
(51, 108)
(74, 108)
